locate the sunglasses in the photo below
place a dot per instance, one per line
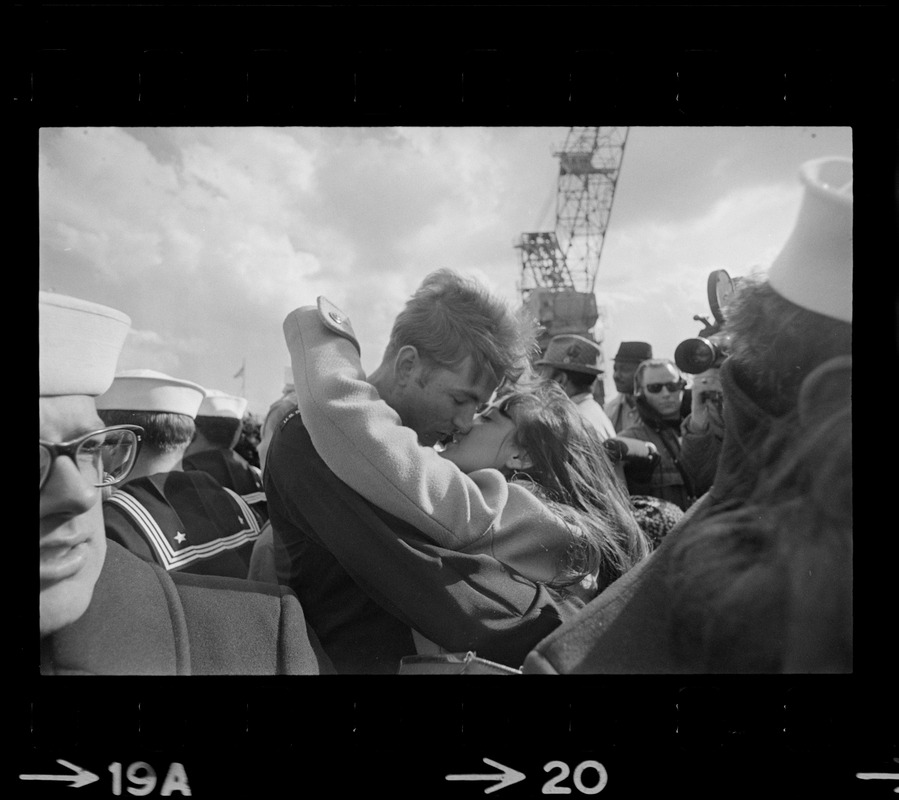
(671, 386)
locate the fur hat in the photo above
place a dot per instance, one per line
(655, 516)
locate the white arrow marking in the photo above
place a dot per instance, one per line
(82, 777)
(507, 777)
(879, 776)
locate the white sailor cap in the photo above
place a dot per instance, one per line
(814, 268)
(148, 390)
(80, 343)
(221, 404)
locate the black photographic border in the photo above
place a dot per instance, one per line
(483, 65)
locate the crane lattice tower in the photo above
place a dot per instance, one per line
(589, 165)
(559, 268)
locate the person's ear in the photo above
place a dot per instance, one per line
(520, 460)
(405, 364)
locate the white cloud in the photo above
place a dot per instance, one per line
(208, 237)
(145, 349)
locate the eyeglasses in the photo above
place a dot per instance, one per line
(104, 457)
(671, 386)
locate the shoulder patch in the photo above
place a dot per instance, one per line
(290, 416)
(335, 320)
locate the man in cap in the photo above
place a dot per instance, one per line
(757, 576)
(622, 409)
(102, 609)
(573, 362)
(181, 520)
(218, 424)
(365, 577)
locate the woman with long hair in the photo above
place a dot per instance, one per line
(529, 483)
(567, 469)
(766, 585)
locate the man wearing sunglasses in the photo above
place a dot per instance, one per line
(103, 610)
(659, 389)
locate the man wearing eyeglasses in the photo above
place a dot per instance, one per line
(103, 610)
(659, 389)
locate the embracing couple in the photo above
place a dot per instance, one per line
(448, 502)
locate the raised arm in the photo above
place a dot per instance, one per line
(460, 600)
(363, 441)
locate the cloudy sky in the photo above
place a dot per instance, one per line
(208, 237)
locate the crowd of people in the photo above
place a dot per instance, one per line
(469, 501)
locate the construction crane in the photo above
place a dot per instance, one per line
(558, 268)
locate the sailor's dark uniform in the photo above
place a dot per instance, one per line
(233, 471)
(366, 578)
(185, 522)
(145, 621)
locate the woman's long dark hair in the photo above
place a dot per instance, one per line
(571, 472)
(766, 585)
(777, 343)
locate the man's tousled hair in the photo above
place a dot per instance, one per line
(450, 317)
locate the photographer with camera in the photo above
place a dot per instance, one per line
(659, 388)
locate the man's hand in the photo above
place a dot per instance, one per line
(707, 401)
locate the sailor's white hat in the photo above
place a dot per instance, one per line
(814, 268)
(221, 404)
(148, 390)
(80, 343)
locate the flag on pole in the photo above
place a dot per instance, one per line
(239, 373)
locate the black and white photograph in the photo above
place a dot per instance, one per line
(390, 253)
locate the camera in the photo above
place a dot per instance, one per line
(711, 396)
(701, 353)
(709, 349)
(715, 399)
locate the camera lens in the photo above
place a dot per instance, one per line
(695, 355)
